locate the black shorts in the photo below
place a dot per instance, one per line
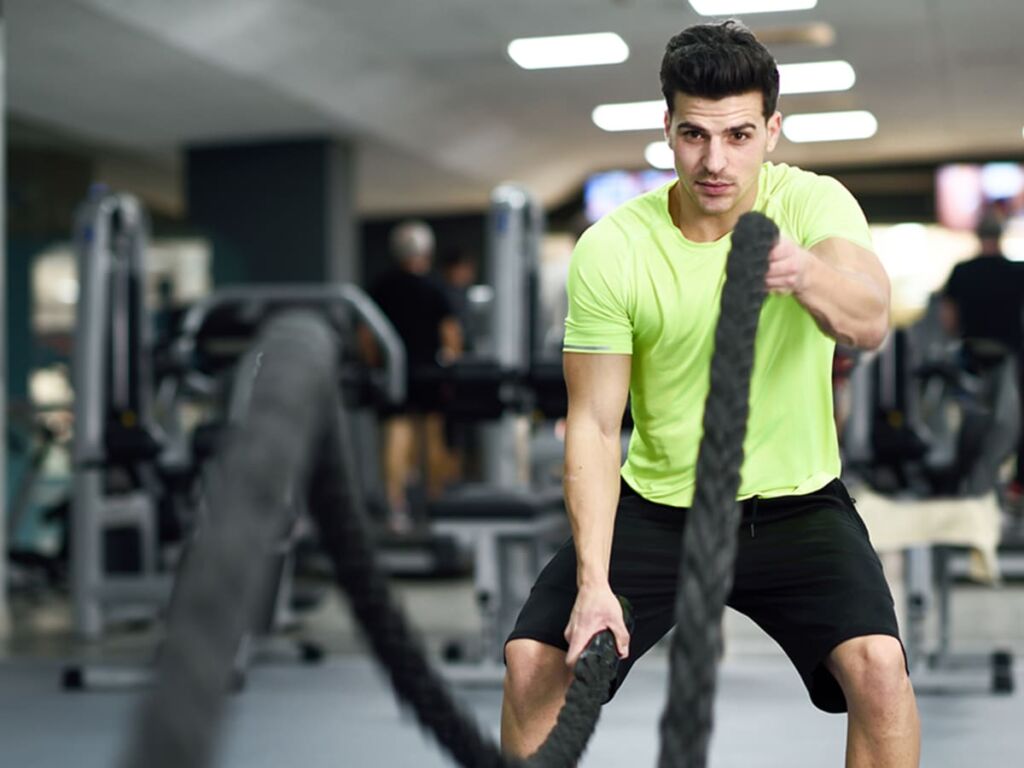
(806, 573)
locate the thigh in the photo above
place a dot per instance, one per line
(812, 581)
(399, 439)
(644, 567)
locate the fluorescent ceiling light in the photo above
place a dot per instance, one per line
(659, 154)
(630, 116)
(727, 7)
(830, 126)
(816, 77)
(568, 50)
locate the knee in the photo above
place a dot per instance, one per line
(534, 673)
(871, 669)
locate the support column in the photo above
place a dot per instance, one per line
(5, 621)
(343, 262)
(279, 211)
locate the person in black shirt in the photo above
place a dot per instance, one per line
(983, 301)
(426, 323)
(458, 274)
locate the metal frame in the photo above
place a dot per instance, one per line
(514, 228)
(110, 369)
(322, 295)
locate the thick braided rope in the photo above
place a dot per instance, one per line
(225, 570)
(294, 408)
(709, 542)
(400, 652)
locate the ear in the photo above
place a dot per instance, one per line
(668, 127)
(774, 126)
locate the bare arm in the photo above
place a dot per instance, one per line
(843, 286)
(597, 386)
(451, 339)
(369, 352)
(949, 317)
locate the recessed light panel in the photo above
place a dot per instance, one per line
(830, 126)
(816, 77)
(568, 50)
(729, 7)
(630, 116)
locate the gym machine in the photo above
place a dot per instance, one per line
(115, 565)
(132, 472)
(928, 431)
(510, 526)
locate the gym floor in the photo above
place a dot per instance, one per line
(341, 712)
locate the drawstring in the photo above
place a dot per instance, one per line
(753, 514)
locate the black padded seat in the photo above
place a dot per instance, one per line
(511, 533)
(486, 502)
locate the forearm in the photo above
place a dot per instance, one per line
(451, 340)
(851, 307)
(368, 348)
(591, 481)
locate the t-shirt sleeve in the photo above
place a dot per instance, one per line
(599, 320)
(828, 209)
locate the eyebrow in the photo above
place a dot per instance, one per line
(732, 129)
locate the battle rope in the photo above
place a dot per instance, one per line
(399, 650)
(220, 580)
(293, 438)
(709, 542)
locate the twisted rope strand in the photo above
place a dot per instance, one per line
(709, 542)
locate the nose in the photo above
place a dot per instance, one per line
(714, 157)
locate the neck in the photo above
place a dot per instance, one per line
(699, 227)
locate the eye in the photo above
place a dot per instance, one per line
(740, 136)
(691, 134)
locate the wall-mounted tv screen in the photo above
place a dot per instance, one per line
(605, 191)
(964, 192)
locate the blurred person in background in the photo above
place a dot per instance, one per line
(982, 303)
(414, 446)
(458, 275)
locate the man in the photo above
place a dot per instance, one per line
(427, 325)
(982, 303)
(458, 275)
(644, 288)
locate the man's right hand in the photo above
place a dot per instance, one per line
(596, 609)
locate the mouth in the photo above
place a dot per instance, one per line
(714, 188)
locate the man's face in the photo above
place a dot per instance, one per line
(719, 147)
(462, 274)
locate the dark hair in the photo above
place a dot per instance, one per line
(456, 257)
(990, 226)
(718, 60)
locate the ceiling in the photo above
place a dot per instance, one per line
(439, 114)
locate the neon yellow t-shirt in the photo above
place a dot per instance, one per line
(637, 286)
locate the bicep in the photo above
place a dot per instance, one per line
(598, 386)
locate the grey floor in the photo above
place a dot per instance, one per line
(341, 713)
